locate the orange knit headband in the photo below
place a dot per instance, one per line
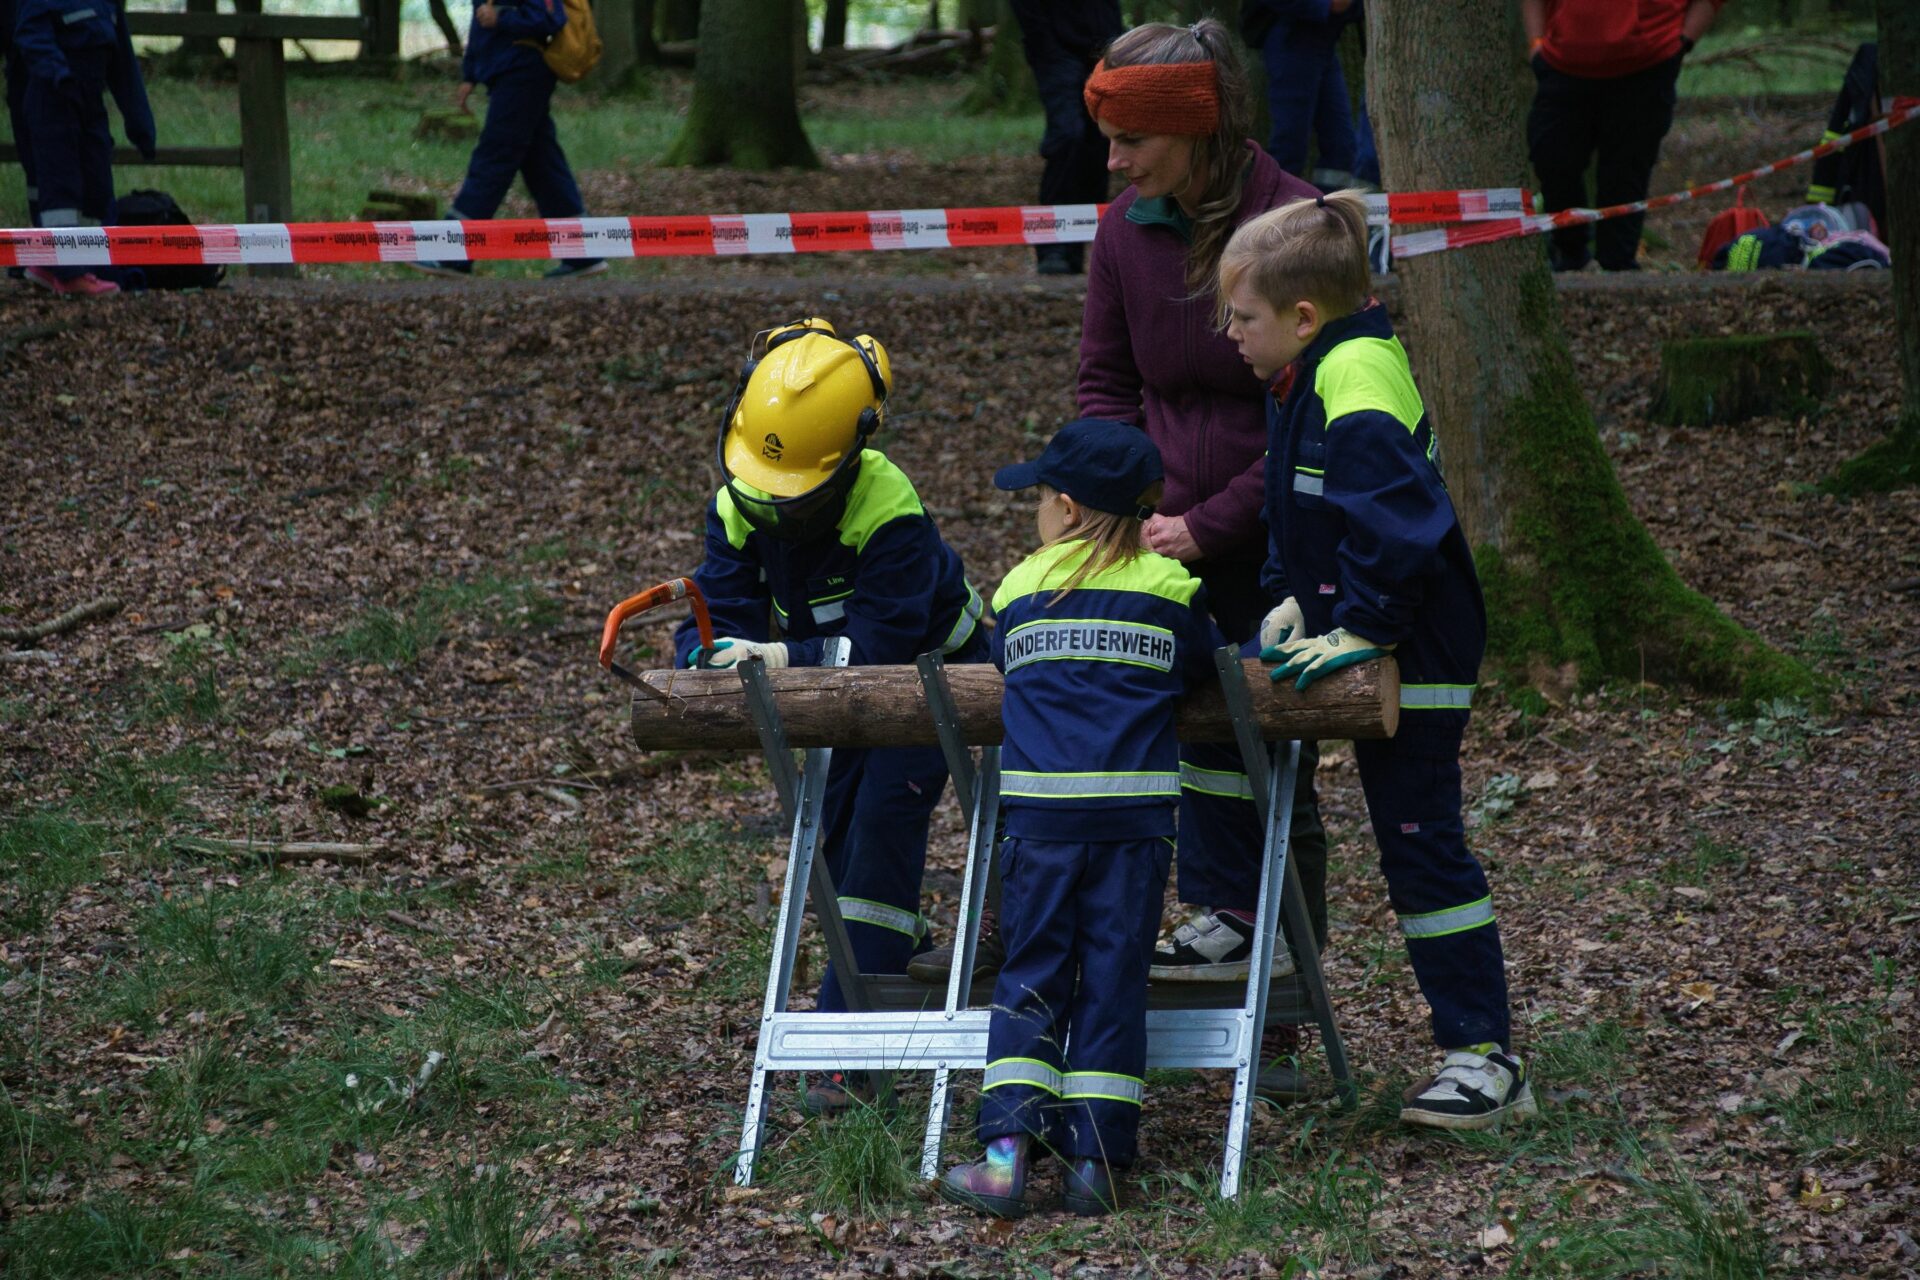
(1170, 97)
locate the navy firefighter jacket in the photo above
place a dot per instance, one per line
(884, 579)
(493, 50)
(1360, 528)
(45, 32)
(1092, 678)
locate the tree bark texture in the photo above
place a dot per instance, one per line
(887, 707)
(833, 25)
(1005, 81)
(1570, 574)
(383, 42)
(678, 19)
(437, 10)
(626, 36)
(745, 109)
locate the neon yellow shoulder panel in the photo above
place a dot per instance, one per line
(1369, 373)
(881, 493)
(1049, 568)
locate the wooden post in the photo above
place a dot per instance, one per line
(265, 141)
(886, 707)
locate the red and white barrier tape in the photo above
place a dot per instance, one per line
(1480, 215)
(699, 235)
(1422, 242)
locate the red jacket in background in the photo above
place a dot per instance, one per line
(1602, 39)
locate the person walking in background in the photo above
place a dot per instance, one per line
(74, 52)
(1063, 40)
(503, 53)
(16, 74)
(1605, 73)
(1299, 43)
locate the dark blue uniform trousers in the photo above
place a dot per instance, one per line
(1067, 1044)
(1307, 98)
(72, 146)
(1074, 149)
(519, 138)
(1412, 785)
(874, 833)
(16, 73)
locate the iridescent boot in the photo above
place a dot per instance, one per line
(996, 1185)
(1090, 1189)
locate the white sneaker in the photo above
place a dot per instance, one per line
(1213, 947)
(1473, 1091)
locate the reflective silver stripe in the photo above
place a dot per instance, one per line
(1101, 639)
(825, 613)
(1315, 485)
(1436, 697)
(880, 915)
(1015, 782)
(1103, 1084)
(1435, 924)
(968, 621)
(1020, 1071)
(62, 218)
(1215, 782)
(76, 15)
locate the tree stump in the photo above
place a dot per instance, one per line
(446, 123)
(1704, 381)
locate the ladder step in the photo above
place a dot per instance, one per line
(1203, 1038)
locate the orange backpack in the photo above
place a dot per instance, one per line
(1729, 226)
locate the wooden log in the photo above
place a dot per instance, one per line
(886, 707)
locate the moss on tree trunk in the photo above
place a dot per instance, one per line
(1704, 381)
(1004, 81)
(1570, 574)
(745, 110)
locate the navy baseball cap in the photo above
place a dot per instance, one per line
(1103, 464)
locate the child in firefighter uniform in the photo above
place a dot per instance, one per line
(815, 531)
(1098, 637)
(1367, 558)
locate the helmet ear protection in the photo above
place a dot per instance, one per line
(864, 426)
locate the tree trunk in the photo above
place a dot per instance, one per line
(678, 19)
(437, 10)
(199, 48)
(1894, 463)
(1005, 81)
(383, 39)
(1570, 574)
(626, 36)
(745, 109)
(887, 707)
(833, 25)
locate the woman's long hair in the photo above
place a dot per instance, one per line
(1221, 155)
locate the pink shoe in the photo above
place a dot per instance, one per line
(82, 286)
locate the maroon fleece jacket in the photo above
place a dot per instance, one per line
(1150, 354)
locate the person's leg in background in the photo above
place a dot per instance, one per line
(1563, 128)
(1638, 111)
(1074, 150)
(71, 148)
(1294, 70)
(550, 180)
(1333, 129)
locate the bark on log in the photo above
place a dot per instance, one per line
(885, 707)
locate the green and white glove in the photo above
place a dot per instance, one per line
(732, 651)
(1281, 625)
(1311, 658)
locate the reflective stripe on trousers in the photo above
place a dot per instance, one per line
(1104, 1084)
(1071, 785)
(1438, 924)
(1216, 782)
(1028, 1071)
(880, 915)
(1436, 697)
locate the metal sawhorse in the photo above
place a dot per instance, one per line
(891, 1026)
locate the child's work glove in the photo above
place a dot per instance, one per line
(731, 651)
(1279, 626)
(1311, 658)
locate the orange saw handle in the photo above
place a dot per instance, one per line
(653, 598)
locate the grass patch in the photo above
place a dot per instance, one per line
(186, 685)
(111, 1236)
(43, 856)
(1319, 1217)
(1863, 1096)
(1705, 857)
(480, 1221)
(863, 1162)
(242, 951)
(396, 638)
(1673, 1228)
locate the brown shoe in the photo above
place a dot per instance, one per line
(989, 954)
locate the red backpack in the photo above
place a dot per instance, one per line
(1729, 226)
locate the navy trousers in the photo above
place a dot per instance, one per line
(874, 836)
(519, 138)
(1436, 885)
(1616, 125)
(1073, 148)
(72, 146)
(1067, 1043)
(1307, 99)
(16, 72)
(1221, 840)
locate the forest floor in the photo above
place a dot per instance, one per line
(364, 537)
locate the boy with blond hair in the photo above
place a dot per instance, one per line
(1367, 558)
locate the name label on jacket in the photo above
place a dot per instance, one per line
(1089, 638)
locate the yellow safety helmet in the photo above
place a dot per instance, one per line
(803, 409)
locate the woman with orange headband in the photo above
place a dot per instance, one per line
(1172, 102)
